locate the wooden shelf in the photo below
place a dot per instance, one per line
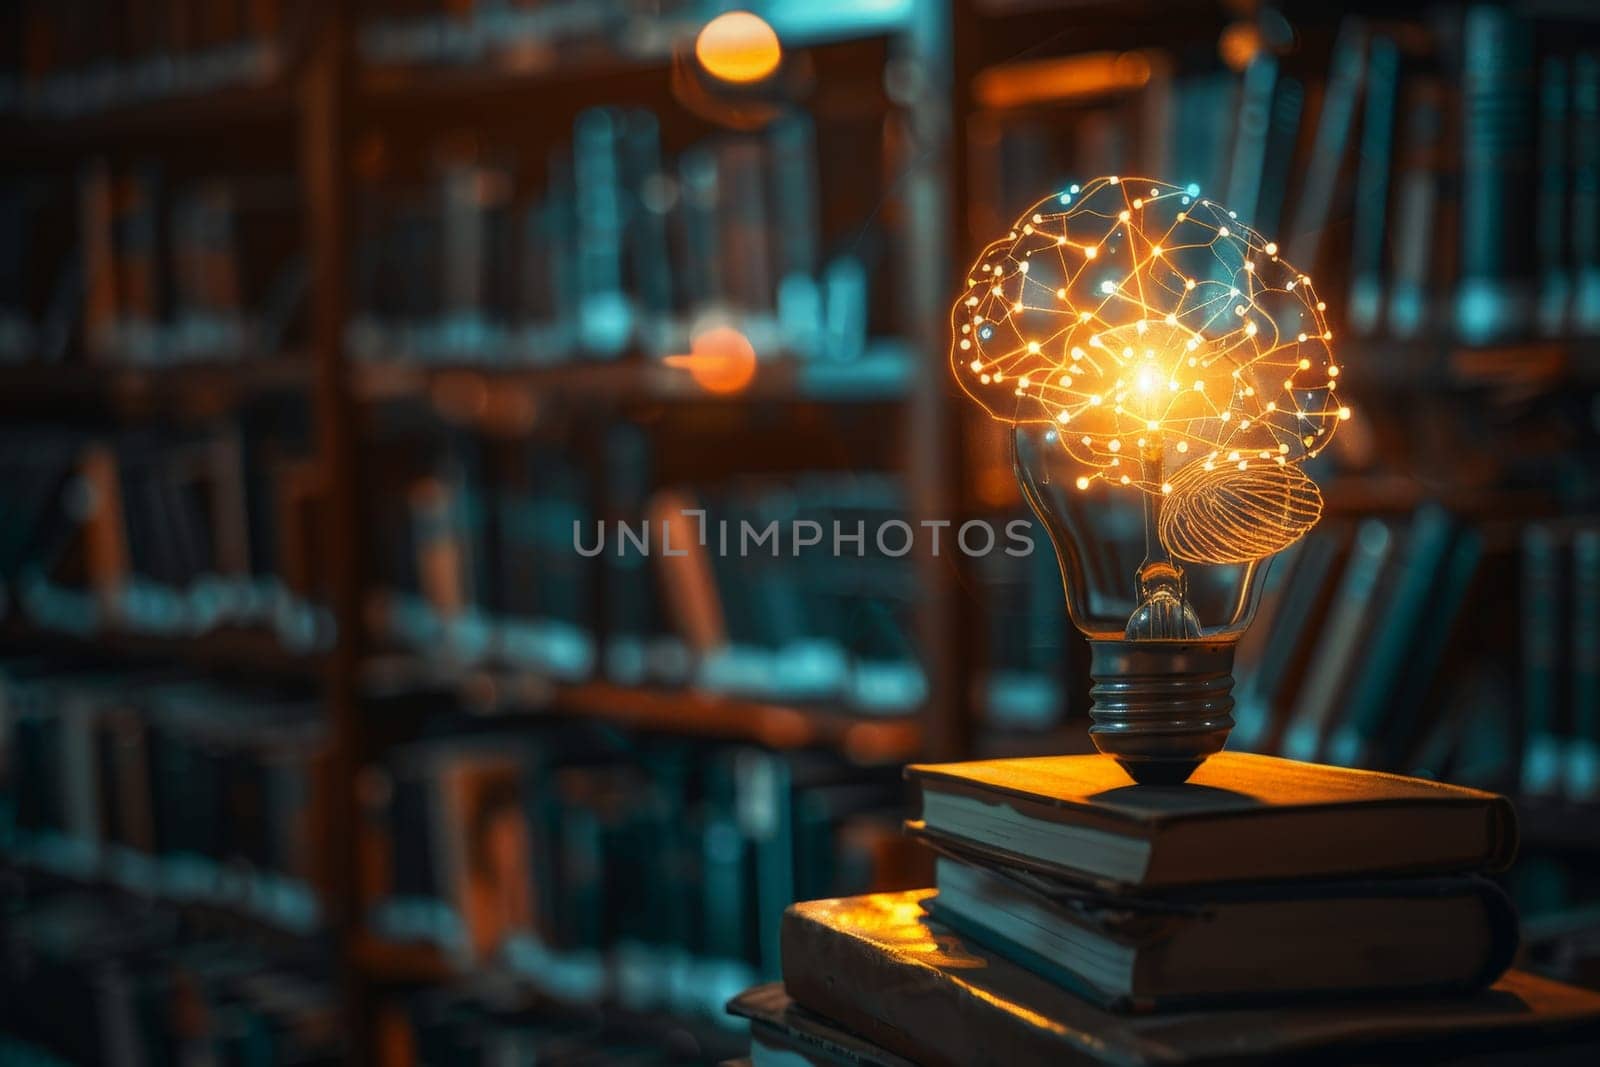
(233, 649)
(683, 712)
(180, 118)
(389, 963)
(564, 81)
(698, 714)
(197, 389)
(464, 391)
(1551, 824)
(1425, 365)
(202, 912)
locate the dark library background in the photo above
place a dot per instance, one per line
(325, 325)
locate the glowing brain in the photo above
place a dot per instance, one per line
(1156, 333)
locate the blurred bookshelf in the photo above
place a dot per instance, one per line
(330, 332)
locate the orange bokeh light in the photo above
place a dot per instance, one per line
(738, 47)
(720, 360)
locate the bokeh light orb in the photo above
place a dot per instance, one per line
(738, 47)
(721, 360)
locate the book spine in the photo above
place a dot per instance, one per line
(650, 257)
(96, 220)
(743, 225)
(1541, 658)
(1251, 134)
(1332, 144)
(1283, 133)
(1372, 186)
(1497, 154)
(605, 313)
(1583, 752)
(1584, 314)
(1342, 637)
(1411, 606)
(909, 1006)
(1417, 209)
(1551, 209)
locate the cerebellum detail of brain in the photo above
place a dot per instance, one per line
(1130, 307)
(1227, 515)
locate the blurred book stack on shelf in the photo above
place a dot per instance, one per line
(485, 515)
(71, 60)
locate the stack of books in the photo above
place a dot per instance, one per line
(1266, 909)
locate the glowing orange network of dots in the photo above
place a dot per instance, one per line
(1152, 330)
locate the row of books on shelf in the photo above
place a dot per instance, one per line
(91, 979)
(640, 870)
(525, 35)
(794, 589)
(1437, 174)
(166, 787)
(163, 533)
(148, 266)
(1396, 643)
(70, 58)
(613, 248)
(463, 1026)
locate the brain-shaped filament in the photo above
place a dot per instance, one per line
(1153, 331)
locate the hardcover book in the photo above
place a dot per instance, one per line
(878, 967)
(1240, 818)
(1238, 945)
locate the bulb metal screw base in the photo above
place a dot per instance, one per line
(1161, 707)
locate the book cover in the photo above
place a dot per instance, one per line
(1242, 817)
(881, 968)
(1233, 947)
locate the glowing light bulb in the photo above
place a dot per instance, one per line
(1175, 389)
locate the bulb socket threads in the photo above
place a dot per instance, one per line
(1161, 707)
